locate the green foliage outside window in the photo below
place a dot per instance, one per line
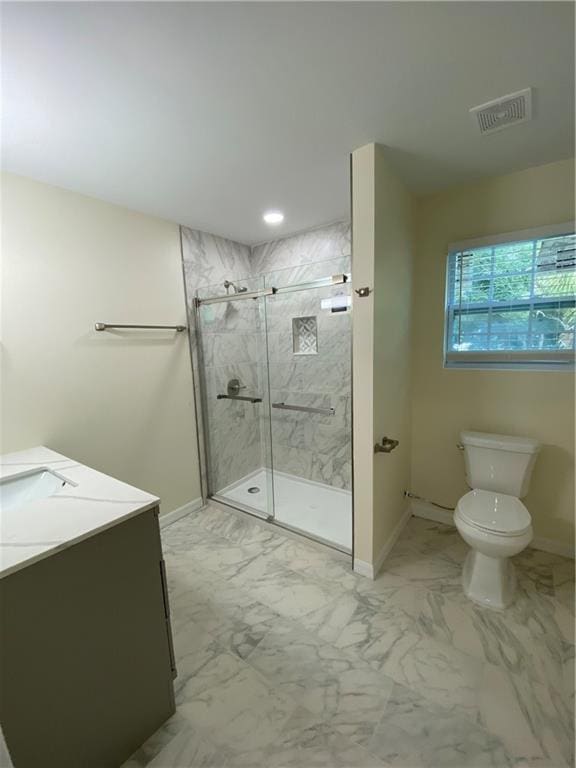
(513, 296)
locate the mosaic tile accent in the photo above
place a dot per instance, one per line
(304, 336)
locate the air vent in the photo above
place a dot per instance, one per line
(504, 112)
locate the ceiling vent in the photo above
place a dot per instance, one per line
(504, 112)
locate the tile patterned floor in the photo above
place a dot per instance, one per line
(288, 659)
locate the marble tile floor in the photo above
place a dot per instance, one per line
(286, 658)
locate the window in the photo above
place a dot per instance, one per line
(511, 300)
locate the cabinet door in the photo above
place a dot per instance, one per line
(87, 663)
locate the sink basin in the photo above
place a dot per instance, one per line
(29, 486)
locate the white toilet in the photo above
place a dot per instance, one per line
(491, 518)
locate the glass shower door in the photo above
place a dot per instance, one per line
(309, 350)
(236, 413)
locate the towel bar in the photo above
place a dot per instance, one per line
(106, 326)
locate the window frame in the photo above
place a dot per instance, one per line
(506, 359)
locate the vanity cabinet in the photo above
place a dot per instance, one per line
(87, 663)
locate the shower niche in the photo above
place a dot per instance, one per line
(305, 335)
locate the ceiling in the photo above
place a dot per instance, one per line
(210, 113)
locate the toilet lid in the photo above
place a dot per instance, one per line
(495, 512)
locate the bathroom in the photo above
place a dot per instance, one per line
(305, 334)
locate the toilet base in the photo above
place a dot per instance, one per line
(489, 581)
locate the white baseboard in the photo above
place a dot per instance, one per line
(371, 570)
(555, 547)
(362, 568)
(176, 514)
(429, 512)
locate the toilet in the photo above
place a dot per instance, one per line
(491, 518)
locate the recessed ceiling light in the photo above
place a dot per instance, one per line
(273, 217)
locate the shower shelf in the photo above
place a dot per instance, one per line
(239, 397)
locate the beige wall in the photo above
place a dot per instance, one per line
(363, 234)
(120, 402)
(392, 348)
(382, 234)
(539, 404)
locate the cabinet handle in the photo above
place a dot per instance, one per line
(164, 582)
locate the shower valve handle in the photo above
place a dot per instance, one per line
(234, 387)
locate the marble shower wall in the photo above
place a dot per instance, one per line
(306, 248)
(230, 346)
(311, 446)
(209, 259)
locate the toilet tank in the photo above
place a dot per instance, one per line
(499, 463)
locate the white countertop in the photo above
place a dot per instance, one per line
(90, 502)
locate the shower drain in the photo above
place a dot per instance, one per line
(254, 489)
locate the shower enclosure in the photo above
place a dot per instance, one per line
(274, 361)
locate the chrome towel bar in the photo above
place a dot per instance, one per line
(239, 397)
(305, 408)
(106, 326)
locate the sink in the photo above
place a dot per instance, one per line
(29, 486)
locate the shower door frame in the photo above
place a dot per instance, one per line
(202, 398)
(200, 403)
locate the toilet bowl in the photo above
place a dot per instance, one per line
(491, 518)
(496, 527)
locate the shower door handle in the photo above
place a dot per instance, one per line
(305, 408)
(239, 397)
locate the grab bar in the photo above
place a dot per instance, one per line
(305, 408)
(239, 397)
(105, 326)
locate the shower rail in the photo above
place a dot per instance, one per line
(235, 296)
(305, 408)
(319, 283)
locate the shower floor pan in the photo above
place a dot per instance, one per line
(314, 509)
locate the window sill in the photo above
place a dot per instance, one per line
(510, 366)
